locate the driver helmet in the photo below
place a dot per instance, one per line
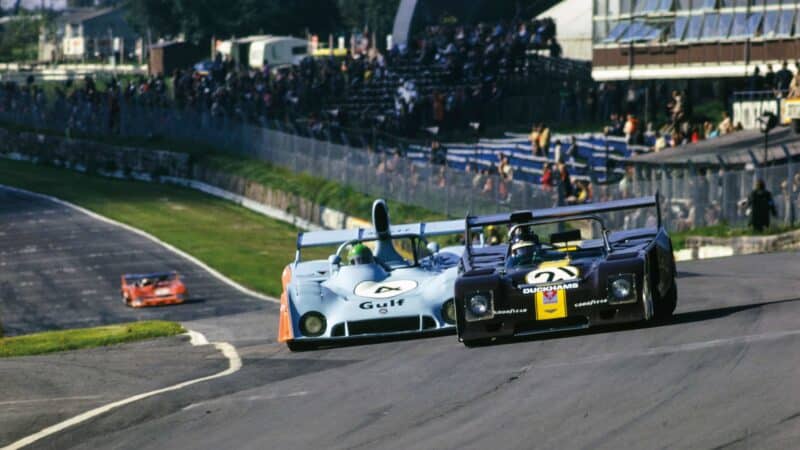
(360, 254)
(523, 243)
(524, 234)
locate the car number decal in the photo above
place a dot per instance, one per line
(163, 291)
(552, 275)
(384, 289)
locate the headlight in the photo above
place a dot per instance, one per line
(621, 288)
(479, 304)
(312, 324)
(449, 312)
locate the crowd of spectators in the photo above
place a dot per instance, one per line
(471, 60)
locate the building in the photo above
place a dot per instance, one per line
(692, 39)
(83, 34)
(574, 23)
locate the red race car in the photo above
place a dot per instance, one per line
(154, 289)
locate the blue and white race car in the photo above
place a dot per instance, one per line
(381, 281)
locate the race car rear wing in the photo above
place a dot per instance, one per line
(566, 212)
(562, 213)
(336, 237)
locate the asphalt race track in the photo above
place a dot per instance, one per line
(725, 373)
(60, 268)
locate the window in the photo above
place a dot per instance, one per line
(705, 4)
(665, 6)
(785, 24)
(797, 25)
(679, 29)
(640, 31)
(734, 3)
(634, 32)
(739, 25)
(616, 32)
(684, 4)
(771, 23)
(724, 25)
(653, 34)
(710, 26)
(753, 23)
(694, 28)
(299, 50)
(648, 6)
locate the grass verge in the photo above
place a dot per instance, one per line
(320, 191)
(57, 341)
(247, 247)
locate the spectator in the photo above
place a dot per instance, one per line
(769, 79)
(761, 207)
(557, 156)
(534, 138)
(708, 130)
(630, 129)
(794, 86)
(505, 169)
(783, 79)
(725, 126)
(544, 139)
(626, 183)
(547, 177)
(755, 82)
(438, 153)
(661, 143)
(676, 108)
(572, 151)
(564, 181)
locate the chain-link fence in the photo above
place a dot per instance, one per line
(690, 199)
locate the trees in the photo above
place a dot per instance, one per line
(377, 15)
(199, 20)
(19, 38)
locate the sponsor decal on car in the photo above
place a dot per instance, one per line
(384, 289)
(381, 306)
(551, 304)
(553, 287)
(510, 311)
(593, 302)
(163, 291)
(552, 275)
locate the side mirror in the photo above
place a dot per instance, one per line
(433, 247)
(334, 261)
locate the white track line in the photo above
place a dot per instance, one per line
(228, 350)
(149, 236)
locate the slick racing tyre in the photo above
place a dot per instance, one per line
(665, 306)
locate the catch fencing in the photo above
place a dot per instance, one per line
(690, 199)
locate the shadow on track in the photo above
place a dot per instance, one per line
(677, 319)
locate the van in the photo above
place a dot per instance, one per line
(278, 51)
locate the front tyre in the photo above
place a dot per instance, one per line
(665, 306)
